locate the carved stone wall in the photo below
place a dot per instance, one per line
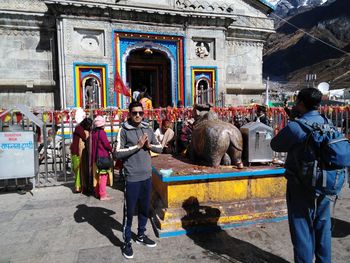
(244, 62)
(27, 62)
(27, 45)
(85, 41)
(222, 40)
(243, 72)
(38, 100)
(101, 32)
(245, 21)
(23, 5)
(236, 7)
(89, 42)
(163, 3)
(204, 48)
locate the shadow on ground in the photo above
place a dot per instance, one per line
(20, 186)
(118, 184)
(101, 219)
(219, 244)
(340, 228)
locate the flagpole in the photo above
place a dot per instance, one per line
(267, 92)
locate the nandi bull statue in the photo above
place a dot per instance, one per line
(213, 140)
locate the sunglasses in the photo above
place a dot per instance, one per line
(134, 113)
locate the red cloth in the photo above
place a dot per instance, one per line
(77, 134)
(119, 85)
(104, 147)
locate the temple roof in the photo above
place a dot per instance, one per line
(199, 6)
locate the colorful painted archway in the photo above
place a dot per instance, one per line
(84, 72)
(207, 75)
(171, 45)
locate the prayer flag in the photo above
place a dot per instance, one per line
(119, 85)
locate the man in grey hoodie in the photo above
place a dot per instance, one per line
(134, 143)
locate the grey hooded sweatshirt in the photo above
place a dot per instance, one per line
(137, 164)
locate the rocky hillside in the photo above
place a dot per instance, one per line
(302, 45)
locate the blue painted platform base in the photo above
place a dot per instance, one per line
(209, 229)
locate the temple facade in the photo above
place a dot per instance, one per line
(65, 53)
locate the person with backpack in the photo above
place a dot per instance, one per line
(315, 174)
(134, 142)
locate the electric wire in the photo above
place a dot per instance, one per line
(310, 35)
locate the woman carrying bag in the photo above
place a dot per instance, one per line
(101, 161)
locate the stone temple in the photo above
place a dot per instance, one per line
(59, 54)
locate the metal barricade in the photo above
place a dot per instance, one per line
(53, 160)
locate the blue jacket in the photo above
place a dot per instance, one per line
(291, 139)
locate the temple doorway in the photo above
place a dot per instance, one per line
(204, 93)
(91, 93)
(149, 70)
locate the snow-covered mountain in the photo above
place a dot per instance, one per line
(298, 3)
(286, 8)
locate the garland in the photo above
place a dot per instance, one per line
(170, 113)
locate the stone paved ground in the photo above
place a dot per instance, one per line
(55, 225)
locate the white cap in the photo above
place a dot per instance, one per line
(80, 115)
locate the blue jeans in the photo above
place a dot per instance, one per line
(136, 193)
(309, 224)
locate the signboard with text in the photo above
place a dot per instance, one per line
(16, 155)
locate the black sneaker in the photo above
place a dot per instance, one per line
(127, 250)
(145, 240)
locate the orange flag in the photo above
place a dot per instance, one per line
(119, 85)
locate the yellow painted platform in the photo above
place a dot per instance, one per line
(199, 198)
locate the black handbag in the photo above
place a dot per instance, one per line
(102, 163)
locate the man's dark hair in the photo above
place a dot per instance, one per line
(180, 104)
(86, 123)
(261, 108)
(311, 98)
(134, 104)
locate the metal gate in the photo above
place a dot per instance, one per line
(53, 140)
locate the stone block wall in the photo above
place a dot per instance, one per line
(27, 52)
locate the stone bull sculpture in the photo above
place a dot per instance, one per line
(215, 141)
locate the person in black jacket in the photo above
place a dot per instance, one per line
(261, 115)
(134, 143)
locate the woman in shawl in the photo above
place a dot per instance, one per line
(100, 148)
(79, 163)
